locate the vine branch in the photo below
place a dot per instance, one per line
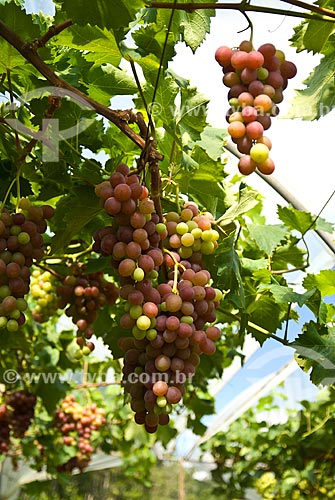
(321, 14)
(29, 51)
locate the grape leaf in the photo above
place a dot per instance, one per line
(195, 26)
(315, 348)
(212, 141)
(99, 43)
(248, 200)
(106, 81)
(318, 98)
(324, 281)
(302, 221)
(284, 294)
(110, 15)
(73, 212)
(267, 237)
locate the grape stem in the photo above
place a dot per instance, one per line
(321, 13)
(175, 270)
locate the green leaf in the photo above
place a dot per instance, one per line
(212, 141)
(284, 294)
(295, 219)
(195, 26)
(318, 98)
(324, 281)
(247, 200)
(265, 312)
(191, 116)
(73, 212)
(110, 15)
(267, 237)
(106, 81)
(315, 348)
(317, 34)
(100, 43)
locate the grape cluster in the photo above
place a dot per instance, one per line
(16, 415)
(256, 81)
(168, 299)
(21, 243)
(22, 408)
(43, 287)
(4, 429)
(76, 424)
(82, 295)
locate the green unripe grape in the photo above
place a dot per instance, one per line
(137, 333)
(207, 247)
(151, 334)
(186, 319)
(207, 235)
(172, 216)
(259, 152)
(47, 286)
(218, 295)
(3, 321)
(161, 401)
(182, 228)
(163, 307)
(153, 322)
(197, 245)
(168, 408)
(138, 274)
(15, 314)
(191, 225)
(138, 370)
(86, 350)
(187, 239)
(135, 311)
(262, 73)
(185, 252)
(24, 203)
(196, 232)
(4, 291)
(143, 322)
(234, 102)
(12, 325)
(127, 306)
(15, 230)
(153, 275)
(35, 290)
(160, 228)
(147, 216)
(23, 238)
(78, 355)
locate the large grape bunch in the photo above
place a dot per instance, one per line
(82, 295)
(256, 81)
(16, 415)
(77, 424)
(21, 243)
(169, 303)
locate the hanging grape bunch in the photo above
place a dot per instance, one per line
(169, 303)
(16, 414)
(82, 295)
(77, 425)
(43, 287)
(256, 79)
(21, 243)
